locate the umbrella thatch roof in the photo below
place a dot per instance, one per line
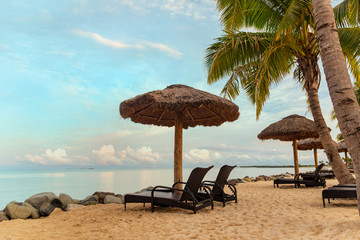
(196, 107)
(290, 128)
(309, 144)
(342, 146)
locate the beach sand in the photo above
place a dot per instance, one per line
(261, 213)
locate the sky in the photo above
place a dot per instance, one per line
(67, 65)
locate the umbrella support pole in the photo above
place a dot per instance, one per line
(178, 150)
(316, 157)
(347, 160)
(296, 161)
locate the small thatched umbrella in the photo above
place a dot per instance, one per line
(291, 128)
(342, 148)
(180, 106)
(309, 144)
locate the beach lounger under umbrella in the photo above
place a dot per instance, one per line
(291, 128)
(180, 106)
(311, 144)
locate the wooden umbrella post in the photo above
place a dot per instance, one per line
(347, 160)
(296, 161)
(316, 157)
(178, 149)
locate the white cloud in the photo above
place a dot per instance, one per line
(196, 155)
(55, 158)
(198, 10)
(142, 155)
(108, 156)
(120, 45)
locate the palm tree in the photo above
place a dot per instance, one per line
(342, 95)
(284, 41)
(356, 88)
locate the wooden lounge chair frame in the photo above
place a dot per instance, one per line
(308, 179)
(217, 186)
(338, 192)
(176, 197)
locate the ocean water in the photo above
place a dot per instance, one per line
(18, 185)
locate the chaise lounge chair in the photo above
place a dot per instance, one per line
(218, 185)
(338, 192)
(175, 197)
(308, 179)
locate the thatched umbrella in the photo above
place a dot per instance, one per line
(309, 144)
(342, 148)
(291, 128)
(180, 106)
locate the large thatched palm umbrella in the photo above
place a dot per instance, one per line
(342, 148)
(180, 106)
(309, 144)
(291, 128)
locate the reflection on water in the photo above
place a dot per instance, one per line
(19, 185)
(54, 175)
(107, 181)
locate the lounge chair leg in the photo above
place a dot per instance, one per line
(223, 203)
(124, 206)
(143, 204)
(324, 202)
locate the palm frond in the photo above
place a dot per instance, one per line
(341, 13)
(232, 50)
(350, 43)
(296, 13)
(232, 13)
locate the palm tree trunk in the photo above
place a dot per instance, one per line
(342, 95)
(341, 172)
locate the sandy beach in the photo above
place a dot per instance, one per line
(261, 213)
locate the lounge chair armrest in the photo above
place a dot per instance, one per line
(160, 188)
(207, 191)
(178, 183)
(232, 187)
(208, 182)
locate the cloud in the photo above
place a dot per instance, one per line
(55, 158)
(198, 10)
(196, 155)
(107, 155)
(120, 45)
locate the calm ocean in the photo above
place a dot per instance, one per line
(17, 185)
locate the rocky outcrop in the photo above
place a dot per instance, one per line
(90, 200)
(3, 216)
(39, 199)
(102, 195)
(16, 210)
(65, 200)
(46, 209)
(113, 199)
(35, 213)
